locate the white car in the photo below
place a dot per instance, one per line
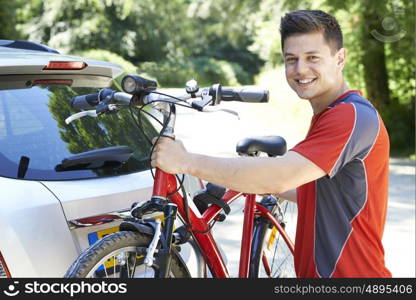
(49, 210)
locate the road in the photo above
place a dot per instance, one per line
(399, 235)
(217, 134)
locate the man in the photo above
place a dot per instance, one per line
(340, 170)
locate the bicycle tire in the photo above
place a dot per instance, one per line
(91, 262)
(277, 253)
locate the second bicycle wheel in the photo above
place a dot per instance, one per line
(121, 255)
(271, 256)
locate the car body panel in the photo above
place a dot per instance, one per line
(14, 61)
(23, 81)
(41, 236)
(36, 240)
(91, 197)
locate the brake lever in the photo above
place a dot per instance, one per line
(212, 109)
(107, 108)
(91, 113)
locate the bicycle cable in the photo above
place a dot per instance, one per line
(167, 95)
(139, 125)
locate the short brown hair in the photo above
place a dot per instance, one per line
(306, 21)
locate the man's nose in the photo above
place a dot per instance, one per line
(301, 66)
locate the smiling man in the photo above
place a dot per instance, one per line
(338, 174)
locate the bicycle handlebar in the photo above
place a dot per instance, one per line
(104, 100)
(249, 94)
(84, 102)
(89, 101)
(244, 94)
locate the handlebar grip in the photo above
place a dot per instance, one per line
(84, 102)
(244, 94)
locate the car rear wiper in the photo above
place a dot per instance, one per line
(110, 156)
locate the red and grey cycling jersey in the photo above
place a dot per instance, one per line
(341, 216)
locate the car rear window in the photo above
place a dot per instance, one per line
(34, 138)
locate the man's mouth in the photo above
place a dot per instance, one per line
(305, 82)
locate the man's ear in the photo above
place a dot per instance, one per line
(341, 57)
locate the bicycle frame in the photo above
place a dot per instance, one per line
(165, 184)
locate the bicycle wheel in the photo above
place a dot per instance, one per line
(271, 257)
(121, 255)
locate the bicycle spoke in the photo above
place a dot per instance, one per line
(275, 252)
(105, 271)
(279, 267)
(134, 265)
(114, 269)
(128, 268)
(284, 260)
(277, 259)
(133, 253)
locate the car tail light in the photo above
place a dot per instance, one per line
(52, 81)
(65, 65)
(4, 271)
(96, 220)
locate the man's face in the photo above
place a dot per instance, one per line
(312, 69)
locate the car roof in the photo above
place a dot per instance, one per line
(18, 61)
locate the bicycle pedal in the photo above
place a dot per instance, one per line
(181, 235)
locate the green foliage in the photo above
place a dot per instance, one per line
(401, 67)
(8, 19)
(205, 70)
(166, 32)
(90, 133)
(401, 63)
(175, 73)
(227, 41)
(106, 55)
(399, 120)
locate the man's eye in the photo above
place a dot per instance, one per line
(290, 59)
(313, 58)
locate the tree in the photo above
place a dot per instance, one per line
(168, 33)
(373, 53)
(8, 19)
(232, 40)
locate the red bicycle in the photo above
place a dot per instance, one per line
(148, 244)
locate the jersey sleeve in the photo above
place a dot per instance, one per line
(340, 135)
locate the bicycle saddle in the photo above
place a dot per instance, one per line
(272, 145)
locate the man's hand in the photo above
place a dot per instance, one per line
(170, 156)
(261, 175)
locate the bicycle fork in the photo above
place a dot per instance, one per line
(164, 236)
(164, 254)
(162, 186)
(161, 256)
